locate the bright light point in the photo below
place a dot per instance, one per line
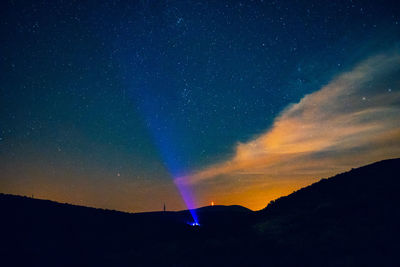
(212, 203)
(194, 224)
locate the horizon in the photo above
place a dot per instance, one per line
(212, 204)
(122, 211)
(126, 106)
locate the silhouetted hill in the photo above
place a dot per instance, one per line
(223, 208)
(377, 181)
(43, 232)
(351, 219)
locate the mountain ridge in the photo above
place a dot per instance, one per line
(350, 219)
(234, 206)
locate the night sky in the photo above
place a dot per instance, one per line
(129, 104)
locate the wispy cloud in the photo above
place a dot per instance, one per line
(353, 120)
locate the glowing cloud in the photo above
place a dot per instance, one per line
(353, 120)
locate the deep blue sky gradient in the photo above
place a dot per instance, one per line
(167, 86)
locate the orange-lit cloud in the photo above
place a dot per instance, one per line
(352, 121)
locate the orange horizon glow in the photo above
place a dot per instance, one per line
(352, 121)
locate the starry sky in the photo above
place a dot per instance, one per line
(129, 104)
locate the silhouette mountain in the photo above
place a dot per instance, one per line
(351, 219)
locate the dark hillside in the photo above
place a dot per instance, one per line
(378, 181)
(351, 219)
(40, 232)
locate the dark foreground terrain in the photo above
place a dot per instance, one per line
(351, 219)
